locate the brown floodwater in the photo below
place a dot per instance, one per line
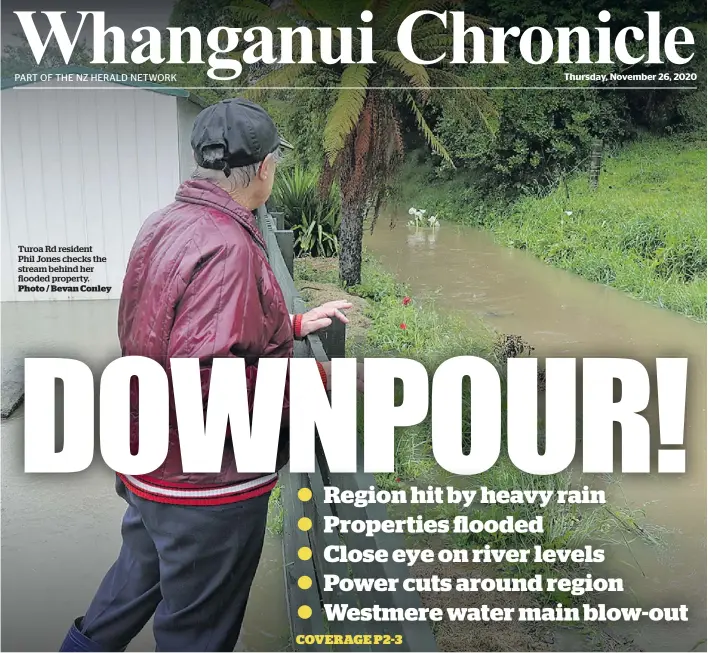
(462, 269)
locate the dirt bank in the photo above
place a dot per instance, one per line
(316, 280)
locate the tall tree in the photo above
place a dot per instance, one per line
(363, 135)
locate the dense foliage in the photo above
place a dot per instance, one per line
(542, 135)
(525, 141)
(301, 115)
(538, 135)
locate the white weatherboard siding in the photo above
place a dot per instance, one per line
(83, 167)
(186, 114)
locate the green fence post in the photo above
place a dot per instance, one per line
(334, 339)
(595, 163)
(286, 244)
(279, 219)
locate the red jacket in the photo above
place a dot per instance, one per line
(198, 285)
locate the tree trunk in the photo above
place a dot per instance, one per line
(351, 231)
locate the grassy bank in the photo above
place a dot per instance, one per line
(389, 322)
(643, 231)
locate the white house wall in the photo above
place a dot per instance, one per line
(186, 113)
(83, 167)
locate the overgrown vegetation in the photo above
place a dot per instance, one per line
(402, 325)
(642, 231)
(537, 136)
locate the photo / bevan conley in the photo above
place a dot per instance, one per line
(53, 268)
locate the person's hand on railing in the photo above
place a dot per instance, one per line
(320, 317)
(327, 367)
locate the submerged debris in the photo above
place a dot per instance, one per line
(510, 346)
(513, 346)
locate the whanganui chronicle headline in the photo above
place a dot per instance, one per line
(651, 43)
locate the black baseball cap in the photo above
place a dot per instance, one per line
(234, 133)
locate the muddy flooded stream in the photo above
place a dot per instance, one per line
(561, 315)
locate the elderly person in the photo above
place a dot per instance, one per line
(198, 285)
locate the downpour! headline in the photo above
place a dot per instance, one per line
(465, 401)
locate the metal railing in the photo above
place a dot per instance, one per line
(403, 635)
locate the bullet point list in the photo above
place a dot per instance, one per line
(304, 612)
(304, 494)
(304, 553)
(304, 523)
(304, 582)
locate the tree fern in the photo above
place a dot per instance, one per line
(476, 100)
(362, 139)
(415, 73)
(284, 76)
(433, 45)
(346, 110)
(434, 142)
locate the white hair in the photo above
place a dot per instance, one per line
(238, 178)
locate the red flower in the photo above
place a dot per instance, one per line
(406, 301)
(403, 325)
(398, 480)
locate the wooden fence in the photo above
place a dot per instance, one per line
(415, 635)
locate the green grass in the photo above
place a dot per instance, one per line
(643, 231)
(276, 511)
(430, 337)
(413, 329)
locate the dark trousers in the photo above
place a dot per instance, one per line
(192, 567)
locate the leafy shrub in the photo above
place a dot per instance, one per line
(314, 219)
(668, 111)
(311, 238)
(538, 136)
